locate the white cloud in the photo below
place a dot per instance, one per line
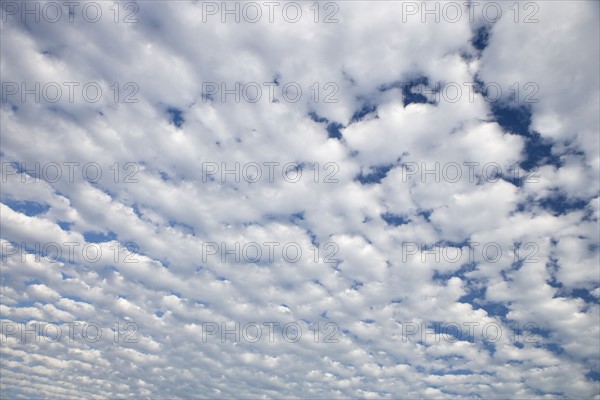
(150, 245)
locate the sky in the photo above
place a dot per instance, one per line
(309, 199)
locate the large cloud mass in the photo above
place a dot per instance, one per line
(411, 187)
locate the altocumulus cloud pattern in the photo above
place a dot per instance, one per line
(300, 199)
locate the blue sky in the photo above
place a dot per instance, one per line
(306, 200)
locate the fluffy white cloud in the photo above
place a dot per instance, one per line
(164, 238)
